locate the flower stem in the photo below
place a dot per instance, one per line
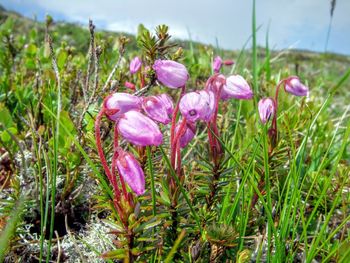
(150, 167)
(101, 154)
(274, 130)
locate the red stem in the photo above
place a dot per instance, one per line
(181, 130)
(101, 154)
(115, 156)
(172, 129)
(274, 120)
(213, 128)
(178, 160)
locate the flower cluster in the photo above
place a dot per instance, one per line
(137, 120)
(268, 107)
(140, 120)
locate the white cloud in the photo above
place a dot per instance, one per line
(292, 21)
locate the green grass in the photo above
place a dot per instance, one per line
(289, 203)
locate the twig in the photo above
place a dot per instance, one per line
(97, 54)
(75, 94)
(116, 66)
(92, 97)
(58, 247)
(54, 64)
(57, 132)
(91, 55)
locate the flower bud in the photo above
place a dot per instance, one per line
(119, 103)
(129, 85)
(139, 129)
(228, 62)
(158, 108)
(135, 65)
(267, 109)
(217, 64)
(236, 87)
(170, 73)
(130, 169)
(188, 134)
(295, 87)
(197, 105)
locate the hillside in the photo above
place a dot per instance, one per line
(77, 36)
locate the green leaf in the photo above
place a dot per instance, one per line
(147, 225)
(5, 116)
(5, 135)
(164, 198)
(31, 50)
(65, 141)
(115, 254)
(30, 63)
(62, 58)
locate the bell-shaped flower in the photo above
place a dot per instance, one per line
(167, 102)
(197, 105)
(139, 129)
(217, 64)
(267, 109)
(295, 87)
(170, 73)
(135, 65)
(158, 108)
(209, 99)
(215, 83)
(236, 87)
(130, 169)
(187, 135)
(119, 103)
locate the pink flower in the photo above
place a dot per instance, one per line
(236, 87)
(167, 102)
(295, 87)
(214, 83)
(119, 103)
(170, 73)
(209, 99)
(129, 85)
(139, 129)
(188, 134)
(158, 108)
(135, 65)
(267, 109)
(217, 64)
(130, 169)
(197, 105)
(228, 62)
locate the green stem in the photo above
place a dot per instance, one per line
(151, 171)
(41, 193)
(254, 53)
(267, 187)
(174, 176)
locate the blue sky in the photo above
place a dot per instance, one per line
(293, 23)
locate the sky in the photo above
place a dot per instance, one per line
(301, 24)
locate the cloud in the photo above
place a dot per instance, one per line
(291, 21)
